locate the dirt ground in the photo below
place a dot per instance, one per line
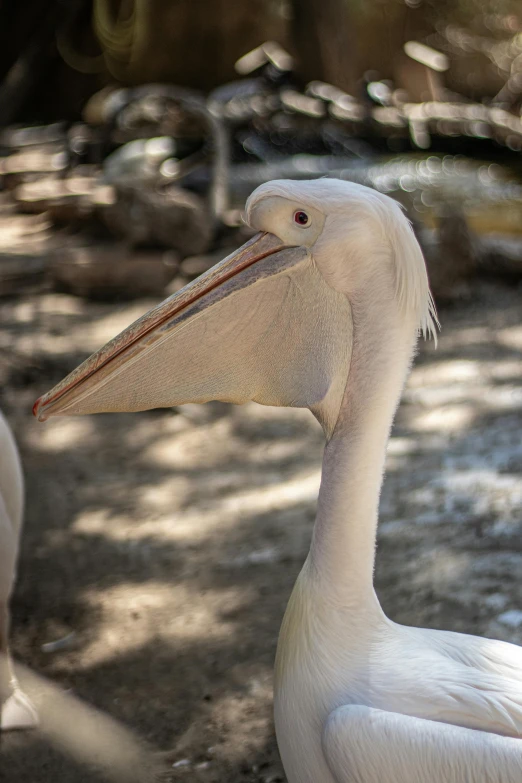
(168, 542)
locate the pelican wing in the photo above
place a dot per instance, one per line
(366, 745)
(490, 656)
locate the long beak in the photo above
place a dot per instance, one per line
(151, 327)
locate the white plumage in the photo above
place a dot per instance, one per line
(323, 311)
(16, 711)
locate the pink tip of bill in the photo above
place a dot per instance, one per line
(36, 409)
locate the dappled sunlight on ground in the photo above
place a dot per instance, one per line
(167, 542)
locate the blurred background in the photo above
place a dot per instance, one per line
(160, 548)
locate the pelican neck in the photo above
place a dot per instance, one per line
(342, 553)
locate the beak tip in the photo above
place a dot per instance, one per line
(102, 364)
(37, 412)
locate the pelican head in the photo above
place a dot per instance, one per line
(273, 322)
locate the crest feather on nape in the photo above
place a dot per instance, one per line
(413, 289)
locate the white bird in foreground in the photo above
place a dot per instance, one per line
(322, 310)
(16, 711)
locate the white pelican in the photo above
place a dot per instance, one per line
(16, 711)
(322, 310)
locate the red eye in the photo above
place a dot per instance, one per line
(301, 218)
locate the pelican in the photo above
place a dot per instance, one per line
(16, 710)
(322, 310)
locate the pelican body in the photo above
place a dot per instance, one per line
(322, 309)
(16, 711)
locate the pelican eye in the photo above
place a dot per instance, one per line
(301, 218)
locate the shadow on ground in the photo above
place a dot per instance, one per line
(168, 542)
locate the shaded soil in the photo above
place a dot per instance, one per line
(168, 542)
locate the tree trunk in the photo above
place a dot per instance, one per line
(338, 41)
(324, 39)
(190, 42)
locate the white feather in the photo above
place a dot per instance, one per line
(333, 326)
(16, 710)
(337, 649)
(363, 223)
